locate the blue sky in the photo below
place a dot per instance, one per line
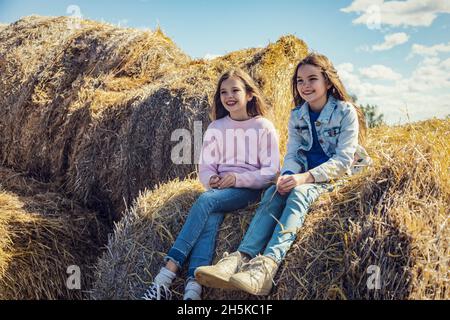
(395, 54)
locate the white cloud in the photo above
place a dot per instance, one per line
(418, 49)
(416, 13)
(379, 71)
(430, 74)
(423, 94)
(446, 64)
(390, 41)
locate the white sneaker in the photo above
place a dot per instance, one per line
(218, 275)
(256, 276)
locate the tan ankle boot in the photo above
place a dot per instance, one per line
(256, 276)
(218, 275)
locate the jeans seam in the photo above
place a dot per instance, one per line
(241, 194)
(305, 205)
(250, 230)
(211, 244)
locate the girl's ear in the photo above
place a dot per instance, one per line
(329, 85)
(249, 97)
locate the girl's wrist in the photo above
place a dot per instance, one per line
(305, 177)
(299, 179)
(309, 178)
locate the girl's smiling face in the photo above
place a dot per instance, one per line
(234, 98)
(312, 86)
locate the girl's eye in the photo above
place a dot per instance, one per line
(299, 81)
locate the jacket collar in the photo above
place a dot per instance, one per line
(325, 114)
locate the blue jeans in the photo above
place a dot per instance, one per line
(274, 238)
(198, 235)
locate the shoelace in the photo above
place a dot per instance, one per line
(252, 266)
(255, 267)
(225, 256)
(154, 293)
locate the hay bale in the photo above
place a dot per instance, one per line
(47, 65)
(96, 112)
(135, 251)
(41, 235)
(394, 216)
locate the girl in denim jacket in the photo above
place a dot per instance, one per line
(325, 130)
(240, 157)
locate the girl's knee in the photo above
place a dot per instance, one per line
(206, 198)
(304, 190)
(306, 194)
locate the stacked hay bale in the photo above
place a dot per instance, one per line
(42, 234)
(97, 109)
(383, 235)
(53, 70)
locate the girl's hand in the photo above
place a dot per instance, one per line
(227, 181)
(214, 181)
(286, 183)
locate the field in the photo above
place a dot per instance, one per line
(86, 118)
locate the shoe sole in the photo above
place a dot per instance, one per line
(242, 286)
(213, 281)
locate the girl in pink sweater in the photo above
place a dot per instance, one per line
(239, 158)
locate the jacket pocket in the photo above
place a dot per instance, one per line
(303, 132)
(331, 135)
(332, 132)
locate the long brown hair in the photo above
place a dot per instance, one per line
(337, 88)
(255, 107)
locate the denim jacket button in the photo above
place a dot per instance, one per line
(318, 123)
(321, 141)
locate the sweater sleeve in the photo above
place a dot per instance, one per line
(269, 159)
(209, 158)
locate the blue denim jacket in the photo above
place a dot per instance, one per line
(337, 129)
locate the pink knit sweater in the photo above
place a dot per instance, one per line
(248, 149)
